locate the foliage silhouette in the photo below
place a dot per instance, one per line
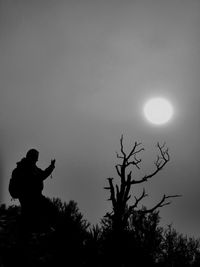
(179, 250)
(72, 241)
(64, 243)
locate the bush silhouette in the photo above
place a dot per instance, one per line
(63, 243)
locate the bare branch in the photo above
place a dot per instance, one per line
(162, 203)
(134, 162)
(164, 152)
(137, 162)
(134, 151)
(161, 161)
(138, 151)
(112, 191)
(117, 168)
(118, 156)
(137, 200)
(128, 197)
(122, 147)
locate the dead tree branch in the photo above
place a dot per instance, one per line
(161, 203)
(120, 194)
(162, 159)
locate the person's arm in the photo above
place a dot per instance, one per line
(48, 170)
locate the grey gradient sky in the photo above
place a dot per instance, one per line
(74, 76)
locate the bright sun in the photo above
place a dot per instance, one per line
(158, 110)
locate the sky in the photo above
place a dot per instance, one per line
(74, 76)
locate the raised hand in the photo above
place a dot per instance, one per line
(53, 162)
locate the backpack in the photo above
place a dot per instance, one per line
(15, 187)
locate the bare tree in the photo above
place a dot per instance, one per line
(120, 194)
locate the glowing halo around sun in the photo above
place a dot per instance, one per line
(158, 110)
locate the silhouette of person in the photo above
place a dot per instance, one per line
(35, 207)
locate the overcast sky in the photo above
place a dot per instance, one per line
(74, 76)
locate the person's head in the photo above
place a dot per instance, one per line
(32, 155)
